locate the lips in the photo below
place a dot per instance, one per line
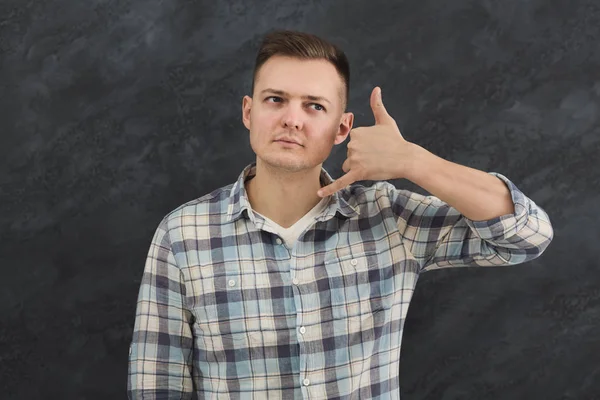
(288, 141)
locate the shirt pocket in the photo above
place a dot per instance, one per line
(220, 313)
(360, 284)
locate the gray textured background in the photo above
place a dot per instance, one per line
(112, 113)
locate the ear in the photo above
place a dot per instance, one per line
(345, 127)
(246, 107)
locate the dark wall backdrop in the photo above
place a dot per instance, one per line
(115, 112)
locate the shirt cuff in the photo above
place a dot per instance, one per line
(507, 225)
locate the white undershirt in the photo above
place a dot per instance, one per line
(291, 234)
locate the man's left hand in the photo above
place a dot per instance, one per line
(377, 152)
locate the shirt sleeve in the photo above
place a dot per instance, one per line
(160, 354)
(439, 236)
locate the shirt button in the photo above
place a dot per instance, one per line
(295, 281)
(302, 330)
(306, 382)
(278, 241)
(231, 282)
(354, 261)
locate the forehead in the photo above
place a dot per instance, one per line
(300, 77)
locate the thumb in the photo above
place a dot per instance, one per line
(379, 112)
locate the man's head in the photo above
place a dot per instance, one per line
(304, 46)
(299, 92)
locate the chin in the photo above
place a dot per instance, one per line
(287, 163)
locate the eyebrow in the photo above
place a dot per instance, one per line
(305, 97)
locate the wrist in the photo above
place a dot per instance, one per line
(415, 162)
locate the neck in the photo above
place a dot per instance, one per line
(283, 196)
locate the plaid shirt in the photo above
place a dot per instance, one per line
(227, 310)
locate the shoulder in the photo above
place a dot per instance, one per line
(210, 203)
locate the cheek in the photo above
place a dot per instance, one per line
(262, 129)
(331, 131)
(264, 120)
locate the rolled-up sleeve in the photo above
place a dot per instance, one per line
(439, 236)
(160, 354)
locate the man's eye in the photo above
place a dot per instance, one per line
(277, 99)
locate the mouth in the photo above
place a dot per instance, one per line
(287, 143)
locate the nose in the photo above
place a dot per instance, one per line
(292, 118)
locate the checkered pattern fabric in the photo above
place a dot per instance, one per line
(225, 309)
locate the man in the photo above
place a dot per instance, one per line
(265, 288)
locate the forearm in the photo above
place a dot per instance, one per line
(477, 195)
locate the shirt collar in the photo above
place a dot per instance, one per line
(238, 198)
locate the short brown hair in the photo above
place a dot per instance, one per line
(303, 46)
